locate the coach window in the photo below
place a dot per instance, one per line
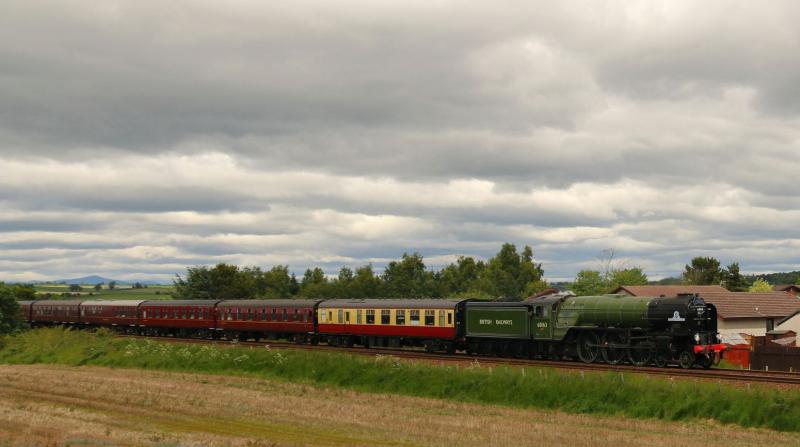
(441, 318)
(537, 311)
(430, 317)
(249, 314)
(449, 317)
(386, 316)
(296, 315)
(359, 313)
(400, 318)
(305, 316)
(340, 316)
(274, 314)
(370, 316)
(263, 314)
(285, 315)
(414, 317)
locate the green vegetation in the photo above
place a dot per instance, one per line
(89, 292)
(10, 320)
(760, 285)
(594, 393)
(508, 274)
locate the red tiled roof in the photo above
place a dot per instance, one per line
(668, 290)
(752, 305)
(785, 287)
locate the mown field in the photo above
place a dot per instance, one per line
(607, 394)
(121, 292)
(96, 406)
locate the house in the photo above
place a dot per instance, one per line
(737, 312)
(751, 313)
(791, 289)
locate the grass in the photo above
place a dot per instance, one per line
(611, 394)
(61, 405)
(119, 293)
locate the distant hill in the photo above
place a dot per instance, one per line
(92, 279)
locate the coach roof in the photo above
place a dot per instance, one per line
(57, 303)
(422, 303)
(176, 303)
(268, 303)
(114, 303)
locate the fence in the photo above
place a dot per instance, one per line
(738, 355)
(767, 355)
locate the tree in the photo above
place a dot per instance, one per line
(24, 292)
(461, 276)
(733, 279)
(589, 282)
(138, 285)
(703, 271)
(222, 282)
(75, 288)
(343, 282)
(508, 273)
(112, 285)
(633, 276)
(276, 283)
(407, 278)
(316, 285)
(365, 283)
(10, 320)
(98, 287)
(760, 285)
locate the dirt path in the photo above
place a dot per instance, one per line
(60, 406)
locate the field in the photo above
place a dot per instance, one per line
(603, 394)
(121, 292)
(71, 406)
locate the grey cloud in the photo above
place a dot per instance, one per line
(696, 101)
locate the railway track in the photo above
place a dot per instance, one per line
(727, 375)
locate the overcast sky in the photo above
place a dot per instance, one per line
(138, 137)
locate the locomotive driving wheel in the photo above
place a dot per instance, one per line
(706, 360)
(614, 349)
(588, 347)
(640, 354)
(686, 359)
(661, 360)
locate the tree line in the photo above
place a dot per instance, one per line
(508, 275)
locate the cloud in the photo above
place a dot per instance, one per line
(138, 138)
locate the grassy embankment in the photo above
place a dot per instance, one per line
(591, 393)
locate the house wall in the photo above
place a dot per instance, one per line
(751, 326)
(792, 324)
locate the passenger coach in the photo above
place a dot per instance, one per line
(55, 312)
(432, 323)
(273, 319)
(178, 317)
(121, 314)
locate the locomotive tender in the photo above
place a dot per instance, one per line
(609, 328)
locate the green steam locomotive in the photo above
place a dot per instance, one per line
(609, 328)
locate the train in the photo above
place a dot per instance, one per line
(658, 331)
